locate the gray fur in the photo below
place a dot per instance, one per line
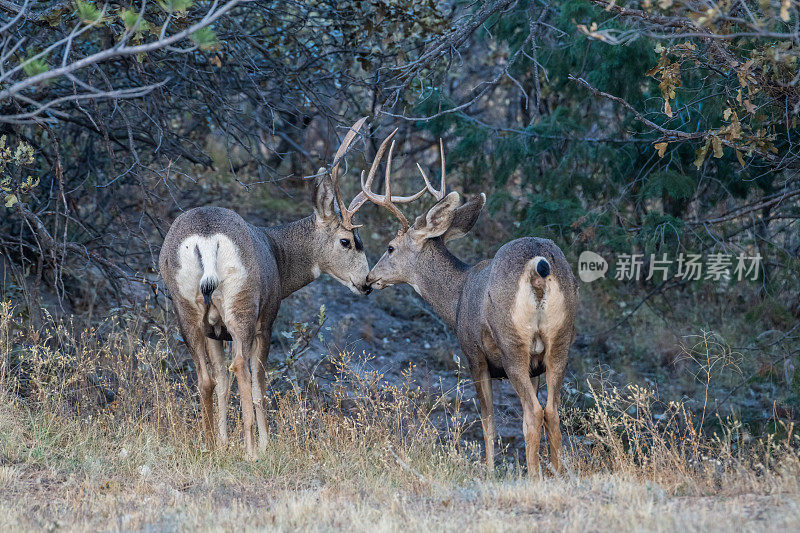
(465, 217)
(479, 302)
(277, 262)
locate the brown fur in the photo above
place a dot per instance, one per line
(256, 268)
(502, 311)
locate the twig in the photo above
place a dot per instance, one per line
(666, 133)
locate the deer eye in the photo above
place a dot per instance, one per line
(390, 249)
(345, 242)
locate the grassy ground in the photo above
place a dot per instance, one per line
(61, 473)
(98, 431)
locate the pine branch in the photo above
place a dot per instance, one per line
(668, 135)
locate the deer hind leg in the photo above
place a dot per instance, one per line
(556, 362)
(258, 371)
(193, 338)
(516, 361)
(216, 353)
(206, 385)
(483, 388)
(242, 352)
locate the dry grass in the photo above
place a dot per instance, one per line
(97, 431)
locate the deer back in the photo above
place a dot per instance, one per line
(216, 246)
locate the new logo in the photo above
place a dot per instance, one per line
(591, 266)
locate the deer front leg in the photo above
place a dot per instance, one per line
(483, 388)
(532, 414)
(216, 353)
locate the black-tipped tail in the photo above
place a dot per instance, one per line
(543, 268)
(207, 287)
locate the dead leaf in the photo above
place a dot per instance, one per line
(661, 147)
(727, 114)
(740, 158)
(702, 152)
(717, 144)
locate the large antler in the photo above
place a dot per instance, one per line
(441, 192)
(385, 200)
(347, 213)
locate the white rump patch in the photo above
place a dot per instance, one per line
(221, 263)
(533, 317)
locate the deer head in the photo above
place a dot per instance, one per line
(407, 254)
(337, 245)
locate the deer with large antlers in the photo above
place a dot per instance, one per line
(227, 278)
(513, 314)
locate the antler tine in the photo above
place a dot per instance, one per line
(360, 198)
(387, 187)
(441, 157)
(375, 162)
(337, 160)
(366, 191)
(428, 186)
(407, 199)
(364, 195)
(388, 191)
(387, 196)
(441, 192)
(385, 200)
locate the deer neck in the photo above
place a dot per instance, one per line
(294, 249)
(440, 280)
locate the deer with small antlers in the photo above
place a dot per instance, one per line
(227, 278)
(513, 314)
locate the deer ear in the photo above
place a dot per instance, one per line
(438, 218)
(324, 197)
(465, 217)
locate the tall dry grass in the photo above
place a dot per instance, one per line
(99, 428)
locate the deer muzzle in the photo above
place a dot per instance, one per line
(374, 282)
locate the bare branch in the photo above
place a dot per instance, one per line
(117, 51)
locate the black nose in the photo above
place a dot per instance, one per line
(366, 288)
